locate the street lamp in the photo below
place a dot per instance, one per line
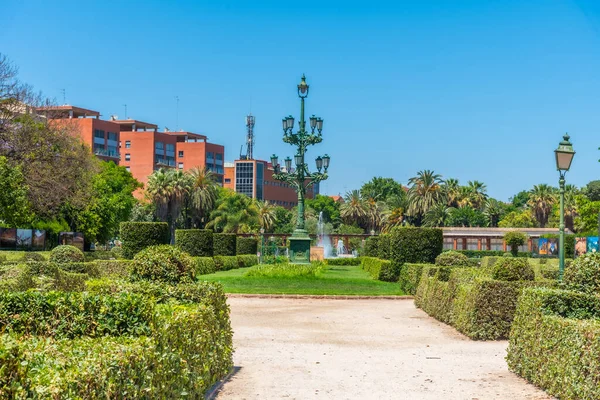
(564, 156)
(301, 179)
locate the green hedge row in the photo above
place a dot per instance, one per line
(136, 236)
(371, 247)
(42, 276)
(195, 242)
(415, 245)
(344, 261)
(383, 248)
(409, 277)
(489, 253)
(224, 244)
(246, 245)
(470, 300)
(555, 342)
(382, 270)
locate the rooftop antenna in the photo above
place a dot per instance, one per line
(177, 114)
(64, 93)
(250, 136)
(125, 105)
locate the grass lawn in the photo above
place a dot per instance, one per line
(342, 280)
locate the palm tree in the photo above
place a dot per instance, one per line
(437, 215)
(266, 214)
(235, 213)
(451, 190)
(167, 189)
(395, 217)
(478, 193)
(465, 197)
(493, 211)
(541, 199)
(571, 209)
(204, 193)
(353, 210)
(424, 193)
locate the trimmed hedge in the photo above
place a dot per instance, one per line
(136, 236)
(31, 256)
(225, 263)
(115, 268)
(224, 244)
(383, 248)
(66, 254)
(195, 242)
(409, 277)
(555, 342)
(371, 246)
(247, 260)
(343, 261)
(452, 258)
(415, 245)
(382, 270)
(42, 276)
(513, 269)
(583, 274)
(163, 263)
(246, 245)
(205, 265)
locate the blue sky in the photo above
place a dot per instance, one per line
(471, 89)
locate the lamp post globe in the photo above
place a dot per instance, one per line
(564, 157)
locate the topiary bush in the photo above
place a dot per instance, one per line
(452, 259)
(371, 246)
(246, 245)
(514, 239)
(226, 263)
(30, 256)
(247, 260)
(383, 247)
(117, 252)
(382, 270)
(136, 236)
(415, 245)
(583, 274)
(195, 242)
(409, 277)
(513, 269)
(66, 254)
(224, 244)
(114, 268)
(163, 263)
(205, 265)
(343, 261)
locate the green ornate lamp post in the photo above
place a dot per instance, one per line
(300, 178)
(564, 156)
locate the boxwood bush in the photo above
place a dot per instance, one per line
(224, 244)
(409, 277)
(163, 263)
(555, 342)
(415, 245)
(383, 270)
(247, 260)
(66, 254)
(246, 245)
(205, 265)
(343, 261)
(195, 242)
(114, 268)
(583, 274)
(452, 258)
(383, 247)
(31, 256)
(513, 269)
(226, 263)
(372, 246)
(136, 236)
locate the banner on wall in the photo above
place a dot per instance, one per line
(580, 246)
(71, 238)
(543, 246)
(592, 244)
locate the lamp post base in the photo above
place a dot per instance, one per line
(300, 250)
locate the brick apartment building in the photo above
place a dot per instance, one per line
(194, 150)
(254, 178)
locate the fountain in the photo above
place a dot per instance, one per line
(341, 249)
(323, 239)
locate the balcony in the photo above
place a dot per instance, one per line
(107, 153)
(163, 162)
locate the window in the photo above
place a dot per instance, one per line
(127, 157)
(127, 144)
(180, 165)
(219, 159)
(180, 155)
(170, 149)
(227, 180)
(112, 136)
(259, 180)
(128, 169)
(159, 147)
(98, 136)
(244, 178)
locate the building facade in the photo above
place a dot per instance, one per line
(254, 178)
(490, 238)
(194, 151)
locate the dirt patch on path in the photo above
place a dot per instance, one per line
(361, 349)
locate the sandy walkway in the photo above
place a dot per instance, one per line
(361, 349)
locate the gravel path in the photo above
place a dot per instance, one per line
(361, 349)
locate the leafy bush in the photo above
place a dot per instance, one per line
(383, 248)
(415, 245)
(136, 236)
(275, 260)
(195, 242)
(452, 258)
(97, 255)
(226, 263)
(555, 342)
(65, 254)
(114, 268)
(286, 270)
(409, 277)
(224, 244)
(513, 269)
(514, 239)
(584, 274)
(205, 265)
(372, 246)
(549, 273)
(163, 263)
(117, 252)
(31, 256)
(247, 260)
(343, 261)
(3, 258)
(246, 245)
(382, 270)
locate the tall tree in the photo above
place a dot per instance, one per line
(451, 189)
(493, 211)
(203, 195)
(353, 210)
(235, 213)
(266, 214)
(541, 199)
(425, 191)
(478, 194)
(15, 210)
(329, 207)
(438, 215)
(380, 188)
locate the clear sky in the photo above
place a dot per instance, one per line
(471, 89)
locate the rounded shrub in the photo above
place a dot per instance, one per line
(117, 252)
(195, 242)
(224, 244)
(583, 274)
(66, 254)
(27, 256)
(513, 269)
(451, 259)
(246, 245)
(136, 236)
(163, 263)
(507, 255)
(415, 245)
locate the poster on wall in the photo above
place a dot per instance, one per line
(552, 247)
(580, 246)
(24, 237)
(71, 238)
(535, 247)
(8, 238)
(543, 246)
(592, 244)
(38, 240)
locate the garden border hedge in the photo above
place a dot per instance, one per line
(136, 236)
(195, 242)
(246, 245)
(224, 244)
(383, 270)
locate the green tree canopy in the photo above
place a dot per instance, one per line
(380, 188)
(518, 219)
(15, 210)
(329, 207)
(592, 191)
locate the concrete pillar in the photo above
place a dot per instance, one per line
(455, 244)
(478, 243)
